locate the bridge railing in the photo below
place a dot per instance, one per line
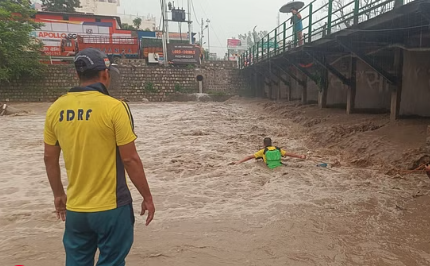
(319, 19)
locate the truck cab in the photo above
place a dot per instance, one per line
(69, 47)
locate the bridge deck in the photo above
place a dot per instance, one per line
(391, 26)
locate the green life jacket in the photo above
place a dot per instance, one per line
(273, 157)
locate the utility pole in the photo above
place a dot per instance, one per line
(163, 32)
(209, 42)
(201, 34)
(190, 27)
(166, 20)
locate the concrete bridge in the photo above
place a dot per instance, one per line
(363, 55)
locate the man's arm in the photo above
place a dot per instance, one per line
(52, 164)
(294, 155)
(125, 137)
(250, 157)
(134, 167)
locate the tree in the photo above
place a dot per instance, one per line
(343, 10)
(19, 52)
(61, 5)
(137, 22)
(252, 37)
(126, 26)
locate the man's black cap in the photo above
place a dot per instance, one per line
(92, 59)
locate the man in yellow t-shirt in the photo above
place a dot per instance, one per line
(95, 132)
(271, 155)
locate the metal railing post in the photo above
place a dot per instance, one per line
(276, 41)
(262, 48)
(310, 23)
(256, 45)
(284, 35)
(356, 11)
(268, 45)
(330, 12)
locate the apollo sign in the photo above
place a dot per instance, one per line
(56, 35)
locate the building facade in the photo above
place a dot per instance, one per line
(100, 7)
(59, 26)
(148, 22)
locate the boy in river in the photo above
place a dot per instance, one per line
(271, 155)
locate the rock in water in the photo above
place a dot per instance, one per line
(9, 110)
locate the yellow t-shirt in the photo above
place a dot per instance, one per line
(260, 154)
(89, 126)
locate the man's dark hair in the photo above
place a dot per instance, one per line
(267, 142)
(86, 75)
(295, 9)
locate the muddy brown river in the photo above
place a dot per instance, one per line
(212, 213)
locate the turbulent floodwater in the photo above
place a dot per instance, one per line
(212, 213)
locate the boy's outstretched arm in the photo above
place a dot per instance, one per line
(294, 155)
(250, 157)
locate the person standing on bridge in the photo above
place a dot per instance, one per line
(296, 20)
(271, 155)
(96, 134)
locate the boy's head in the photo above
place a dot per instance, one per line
(294, 10)
(267, 142)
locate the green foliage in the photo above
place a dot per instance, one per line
(19, 52)
(149, 87)
(252, 37)
(126, 26)
(137, 22)
(61, 5)
(179, 88)
(320, 81)
(206, 55)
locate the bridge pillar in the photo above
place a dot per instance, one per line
(304, 97)
(322, 95)
(261, 85)
(289, 89)
(304, 89)
(396, 91)
(276, 84)
(255, 85)
(352, 88)
(267, 87)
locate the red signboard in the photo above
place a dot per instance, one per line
(232, 43)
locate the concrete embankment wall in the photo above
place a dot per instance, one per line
(135, 82)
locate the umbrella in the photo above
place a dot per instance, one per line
(294, 4)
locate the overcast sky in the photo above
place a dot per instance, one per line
(228, 17)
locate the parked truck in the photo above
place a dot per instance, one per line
(114, 47)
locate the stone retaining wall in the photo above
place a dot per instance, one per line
(135, 82)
